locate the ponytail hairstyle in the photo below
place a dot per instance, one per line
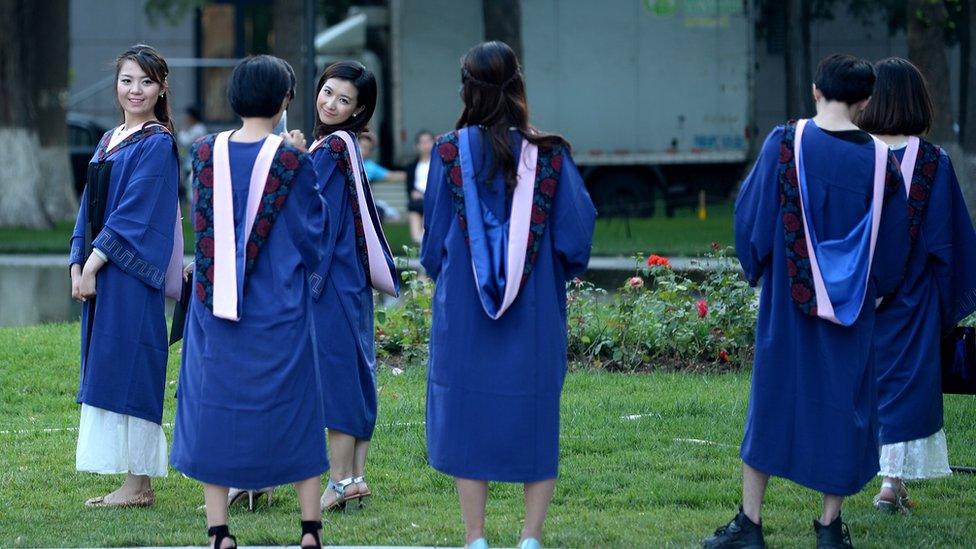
(362, 78)
(493, 91)
(155, 67)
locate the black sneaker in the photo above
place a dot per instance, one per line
(833, 536)
(740, 533)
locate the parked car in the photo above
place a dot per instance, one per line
(83, 136)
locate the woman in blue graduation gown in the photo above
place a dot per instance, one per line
(249, 410)
(821, 222)
(356, 258)
(939, 288)
(126, 242)
(508, 221)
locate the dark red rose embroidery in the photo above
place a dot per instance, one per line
(207, 246)
(556, 162)
(538, 216)
(791, 222)
(203, 152)
(447, 151)
(262, 228)
(289, 160)
(252, 250)
(785, 153)
(801, 293)
(272, 184)
(547, 186)
(206, 176)
(800, 247)
(790, 268)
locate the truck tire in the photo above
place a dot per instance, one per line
(622, 193)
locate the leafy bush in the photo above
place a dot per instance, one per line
(702, 319)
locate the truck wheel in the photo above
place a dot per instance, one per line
(622, 194)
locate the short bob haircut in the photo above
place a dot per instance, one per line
(259, 84)
(365, 83)
(845, 78)
(901, 104)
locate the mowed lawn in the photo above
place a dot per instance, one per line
(682, 235)
(647, 461)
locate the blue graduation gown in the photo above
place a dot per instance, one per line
(249, 407)
(812, 415)
(931, 301)
(493, 386)
(123, 341)
(343, 314)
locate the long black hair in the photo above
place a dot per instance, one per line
(493, 92)
(362, 78)
(155, 67)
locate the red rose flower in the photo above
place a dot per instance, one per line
(272, 184)
(702, 308)
(203, 152)
(207, 246)
(791, 268)
(337, 144)
(262, 228)
(201, 293)
(455, 176)
(556, 162)
(252, 250)
(548, 186)
(800, 247)
(785, 153)
(289, 160)
(447, 151)
(342, 165)
(199, 222)
(209, 273)
(635, 282)
(801, 294)
(360, 230)
(929, 169)
(791, 177)
(538, 216)
(723, 356)
(791, 221)
(196, 195)
(918, 193)
(206, 176)
(280, 201)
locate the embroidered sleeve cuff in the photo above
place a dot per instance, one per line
(118, 251)
(77, 252)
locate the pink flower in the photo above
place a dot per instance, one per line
(635, 282)
(702, 307)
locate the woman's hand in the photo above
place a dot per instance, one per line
(188, 270)
(76, 282)
(86, 284)
(296, 139)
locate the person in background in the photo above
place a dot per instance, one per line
(417, 183)
(374, 172)
(938, 292)
(193, 128)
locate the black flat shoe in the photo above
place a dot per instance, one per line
(740, 533)
(311, 527)
(833, 536)
(219, 533)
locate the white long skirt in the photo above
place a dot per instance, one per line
(110, 443)
(916, 459)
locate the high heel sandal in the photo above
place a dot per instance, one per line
(363, 494)
(252, 497)
(339, 503)
(219, 533)
(888, 506)
(311, 527)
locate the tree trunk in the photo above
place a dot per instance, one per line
(290, 45)
(503, 22)
(36, 188)
(926, 49)
(797, 59)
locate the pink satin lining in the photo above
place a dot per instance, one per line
(908, 162)
(379, 271)
(825, 309)
(518, 228)
(225, 243)
(173, 282)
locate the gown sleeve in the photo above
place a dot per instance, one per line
(438, 215)
(308, 220)
(76, 243)
(757, 210)
(138, 234)
(573, 220)
(893, 245)
(951, 241)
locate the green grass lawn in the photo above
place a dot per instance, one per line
(682, 235)
(641, 482)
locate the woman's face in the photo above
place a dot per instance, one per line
(337, 101)
(137, 93)
(425, 143)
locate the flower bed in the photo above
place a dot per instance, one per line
(659, 319)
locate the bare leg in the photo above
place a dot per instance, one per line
(416, 227)
(474, 496)
(753, 490)
(215, 498)
(309, 493)
(342, 450)
(537, 498)
(831, 508)
(359, 463)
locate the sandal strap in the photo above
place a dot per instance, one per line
(887, 484)
(312, 527)
(220, 532)
(340, 487)
(359, 480)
